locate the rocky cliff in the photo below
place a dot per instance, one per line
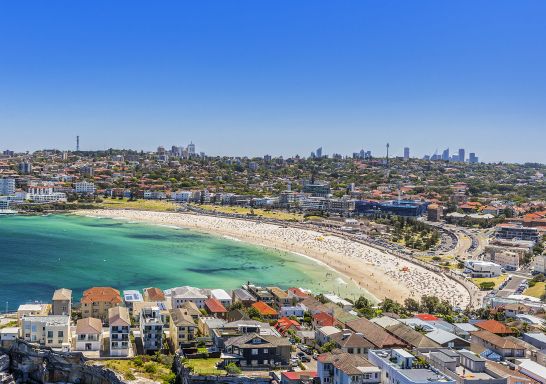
(29, 363)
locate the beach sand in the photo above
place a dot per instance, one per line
(382, 274)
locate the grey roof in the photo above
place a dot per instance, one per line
(467, 327)
(441, 337)
(470, 355)
(243, 294)
(245, 341)
(536, 336)
(62, 294)
(440, 355)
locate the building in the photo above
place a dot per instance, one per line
(222, 296)
(517, 232)
(508, 260)
(265, 310)
(181, 295)
(120, 327)
(316, 189)
(182, 328)
(84, 188)
(25, 167)
(259, 351)
(88, 334)
(33, 310)
(536, 339)
(130, 297)
(344, 368)
(435, 212)
(215, 308)
(50, 331)
(300, 377)
(281, 298)
(502, 346)
(284, 324)
(495, 327)
(532, 369)
(462, 156)
(406, 153)
(153, 294)
(97, 301)
(352, 343)
(375, 334)
(407, 208)
(398, 367)
(62, 302)
(151, 329)
(472, 158)
(448, 339)
(242, 296)
(7, 186)
(478, 268)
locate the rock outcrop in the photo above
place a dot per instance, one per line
(30, 363)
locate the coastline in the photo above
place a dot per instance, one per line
(381, 274)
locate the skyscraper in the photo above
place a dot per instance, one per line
(319, 152)
(406, 153)
(191, 149)
(472, 158)
(461, 155)
(445, 154)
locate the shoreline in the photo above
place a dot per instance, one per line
(381, 274)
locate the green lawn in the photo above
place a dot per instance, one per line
(536, 291)
(204, 366)
(141, 205)
(151, 370)
(497, 280)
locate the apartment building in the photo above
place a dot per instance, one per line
(182, 328)
(120, 326)
(181, 295)
(97, 301)
(7, 186)
(88, 334)
(51, 331)
(151, 329)
(62, 302)
(85, 188)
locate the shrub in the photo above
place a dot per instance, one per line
(150, 367)
(138, 361)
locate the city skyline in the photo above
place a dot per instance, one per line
(252, 78)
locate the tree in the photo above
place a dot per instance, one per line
(411, 305)
(233, 369)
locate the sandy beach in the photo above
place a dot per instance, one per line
(380, 273)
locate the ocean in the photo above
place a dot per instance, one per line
(39, 254)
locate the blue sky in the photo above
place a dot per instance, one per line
(278, 77)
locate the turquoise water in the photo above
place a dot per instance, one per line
(41, 253)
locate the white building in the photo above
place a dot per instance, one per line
(120, 327)
(222, 296)
(181, 295)
(7, 186)
(151, 329)
(478, 268)
(85, 187)
(88, 334)
(183, 196)
(539, 264)
(507, 259)
(50, 331)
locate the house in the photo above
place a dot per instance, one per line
(151, 329)
(215, 308)
(537, 339)
(222, 296)
(447, 339)
(500, 345)
(345, 368)
(479, 268)
(130, 297)
(8, 335)
(324, 334)
(292, 310)
(511, 310)
(265, 310)
(464, 330)
(120, 326)
(410, 336)
(97, 301)
(181, 295)
(257, 351)
(534, 370)
(495, 327)
(260, 293)
(89, 334)
(314, 306)
(153, 294)
(375, 334)
(344, 304)
(323, 319)
(399, 366)
(62, 302)
(297, 293)
(206, 325)
(161, 305)
(300, 377)
(51, 331)
(284, 324)
(191, 309)
(531, 320)
(239, 328)
(32, 310)
(352, 343)
(280, 297)
(242, 296)
(182, 328)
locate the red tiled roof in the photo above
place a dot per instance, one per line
(284, 324)
(323, 319)
(426, 317)
(494, 326)
(105, 294)
(215, 306)
(264, 309)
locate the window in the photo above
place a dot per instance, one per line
(254, 352)
(49, 334)
(266, 362)
(60, 334)
(266, 351)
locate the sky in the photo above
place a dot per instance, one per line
(276, 77)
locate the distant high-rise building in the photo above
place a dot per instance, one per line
(472, 158)
(191, 149)
(406, 153)
(7, 152)
(25, 167)
(7, 186)
(319, 152)
(160, 150)
(77, 143)
(462, 157)
(445, 154)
